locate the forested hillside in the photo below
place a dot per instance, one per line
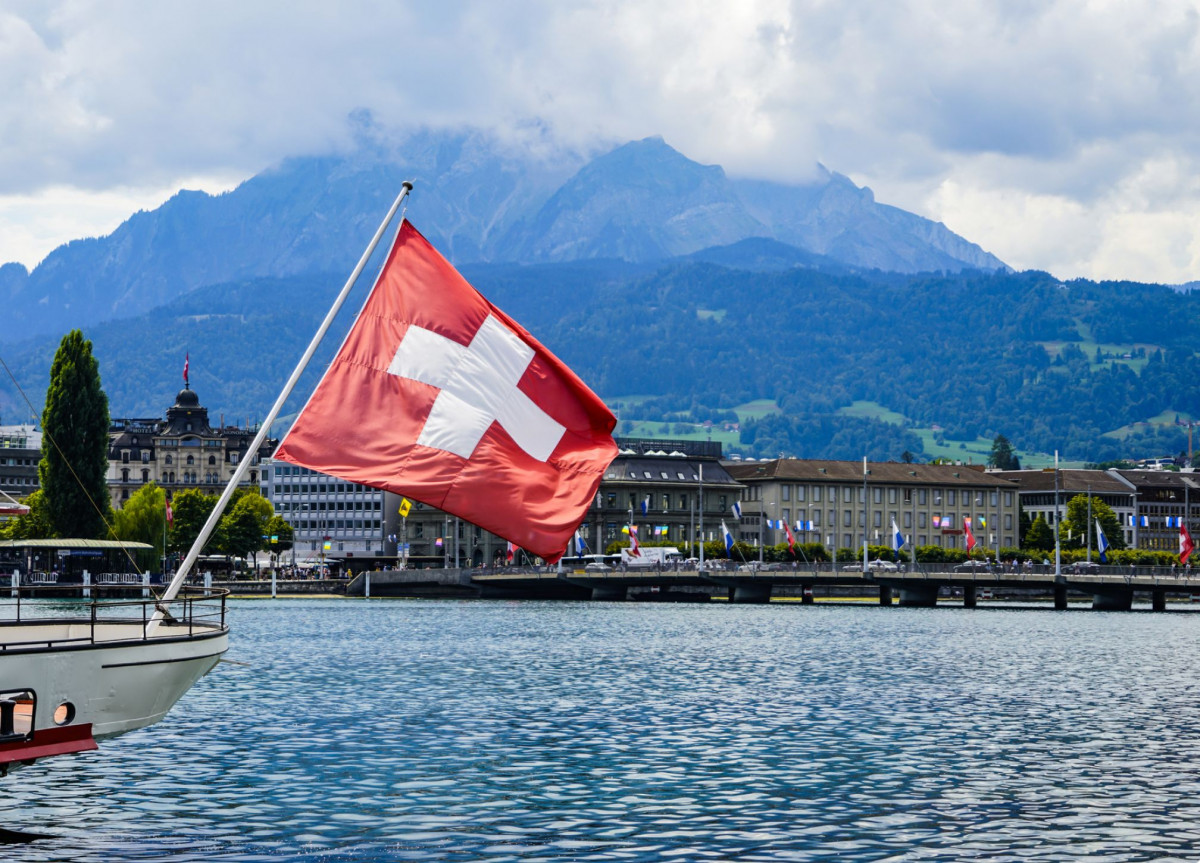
(1078, 367)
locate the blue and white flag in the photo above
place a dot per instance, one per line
(1101, 542)
(1144, 520)
(580, 543)
(804, 525)
(897, 539)
(728, 538)
(737, 510)
(1174, 521)
(646, 505)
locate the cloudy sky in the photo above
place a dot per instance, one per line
(1058, 135)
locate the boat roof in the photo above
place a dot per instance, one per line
(74, 543)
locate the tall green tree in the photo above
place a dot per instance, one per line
(1073, 532)
(143, 518)
(1003, 457)
(279, 528)
(74, 465)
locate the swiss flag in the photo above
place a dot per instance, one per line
(970, 536)
(1185, 543)
(439, 396)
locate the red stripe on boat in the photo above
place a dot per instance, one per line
(47, 742)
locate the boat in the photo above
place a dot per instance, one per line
(76, 670)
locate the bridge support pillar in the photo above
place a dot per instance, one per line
(969, 598)
(1060, 597)
(1122, 601)
(885, 595)
(751, 593)
(608, 592)
(1158, 600)
(912, 596)
(807, 595)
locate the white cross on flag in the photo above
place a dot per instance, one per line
(439, 396)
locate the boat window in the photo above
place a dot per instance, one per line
(16, 714)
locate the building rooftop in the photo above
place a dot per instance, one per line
(896, 473)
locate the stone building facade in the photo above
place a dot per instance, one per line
(180, 452)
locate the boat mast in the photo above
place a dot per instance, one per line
(244, 465)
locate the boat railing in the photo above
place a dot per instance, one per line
(195, 611)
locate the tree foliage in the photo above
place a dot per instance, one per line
(1074, 530)
(74, 466)
(1039, 536)
(191, 508)
(33, 525)
(1003, 457)
(143, 518)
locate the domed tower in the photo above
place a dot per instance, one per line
(187, 416)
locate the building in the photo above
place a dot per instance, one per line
(181, 452)
(330, 518)
(20, 452)
(1035, 492)
(927, 501)
(669, 477)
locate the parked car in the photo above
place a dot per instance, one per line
(973, 566)
(597, 567)
(1083, 567)
(883, 566)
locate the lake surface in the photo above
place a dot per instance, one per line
(471, 730)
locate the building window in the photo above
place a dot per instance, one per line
(145, 476)
(145, 456)
(847, 518)
(908, 495)
(816, 494)
(124, 456)
(891, 495)
(190, 461)
(167, 460)
(877, 495)
(799, 494)
(212, 459)
(125, 475)
(950, 498)
(878, 518)
(786, 492)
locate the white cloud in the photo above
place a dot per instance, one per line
(1057, 134)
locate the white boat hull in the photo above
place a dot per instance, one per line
(72, 683)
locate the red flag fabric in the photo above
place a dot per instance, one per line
(634, 546)
(186, 357)
(170, 514)
(439, 396)
(791, 540)
(970, 536)
(1185, 544)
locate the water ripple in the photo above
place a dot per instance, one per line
(464, 731)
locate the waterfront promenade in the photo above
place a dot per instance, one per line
(1109, 588)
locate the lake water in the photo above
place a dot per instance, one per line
(470, 730)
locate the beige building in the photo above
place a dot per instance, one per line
(833, 505)
(182, 451)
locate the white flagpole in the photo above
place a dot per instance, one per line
(244, 465)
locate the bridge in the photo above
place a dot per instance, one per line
(1110, 588)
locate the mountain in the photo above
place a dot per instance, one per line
(1085, 368)
(478, 199)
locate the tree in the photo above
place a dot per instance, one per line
(1039, 536)
(277, 527)
(245, 524)
(1074, 529)
(74, 465)
(33, 525)
(241, 530)
(143, 518)
(191, 507)
(1003, 457)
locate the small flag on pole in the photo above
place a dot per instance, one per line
(509, 552)
(970, 536)
(405, 507)
(646, 505)
(580, 542)
(186, 358)
(438, 542)
(633, 541)
(728, 538)
(170, 514)
(1101, 542)
(897, 539)
(791, 541)
(1185, 544)
(737, 510)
